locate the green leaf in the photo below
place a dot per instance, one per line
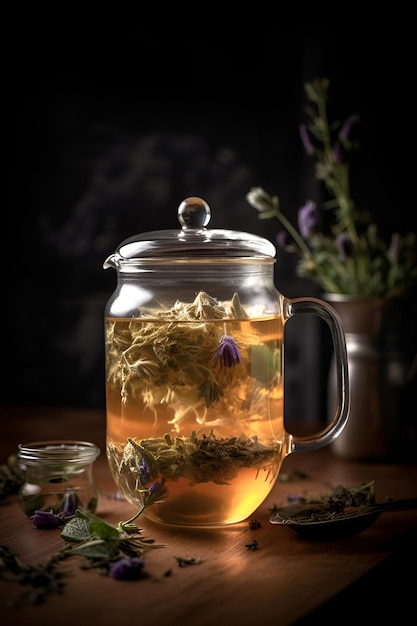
(103, 530)
(265, 363)
(95, 549)
(77, 529)
(86, 526)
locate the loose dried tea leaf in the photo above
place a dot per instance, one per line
(40, 580)
(255, 524)
(363, 495)
(328, 506)
(183, 561)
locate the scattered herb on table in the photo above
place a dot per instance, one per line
(39, 581)
(11, 477)
(115, 551)
(254, 524)
(253, 545)
(183, 561)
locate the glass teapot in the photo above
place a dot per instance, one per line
(194, 362)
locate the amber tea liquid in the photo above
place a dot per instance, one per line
(207, 424)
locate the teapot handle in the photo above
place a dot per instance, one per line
(315, 306)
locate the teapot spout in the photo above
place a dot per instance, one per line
(112, 261)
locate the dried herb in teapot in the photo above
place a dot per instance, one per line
(199, 459)
(178, 353)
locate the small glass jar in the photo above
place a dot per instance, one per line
(58, 476)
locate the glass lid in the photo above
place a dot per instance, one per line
(192, 240)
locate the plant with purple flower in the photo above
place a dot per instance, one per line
(344, 253)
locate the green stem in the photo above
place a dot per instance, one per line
(294, 234)
(338, 184)
(322, 114)
(121, 526)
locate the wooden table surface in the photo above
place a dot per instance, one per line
(287, 580)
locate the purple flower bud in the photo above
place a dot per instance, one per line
(344, 246)
(47, 520)
(156, 492)
(283, 238)
(344, 132)
(305, 138)
(308, 219)
(338, 152)
(154, 488)
(144, 472)
(227, 352)
(127, 568)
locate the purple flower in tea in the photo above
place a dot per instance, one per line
(227, 352)
(127, 568)
(308, 219)
(155, 493)
(47, 520)
(144, 472)
(154, 488)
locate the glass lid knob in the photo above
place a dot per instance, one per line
(194, 213)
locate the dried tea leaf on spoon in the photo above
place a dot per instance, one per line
(338, 503)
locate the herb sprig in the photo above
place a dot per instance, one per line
(339, 248)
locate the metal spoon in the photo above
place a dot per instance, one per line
(304, 519)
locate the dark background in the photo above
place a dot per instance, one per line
(105, 138)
